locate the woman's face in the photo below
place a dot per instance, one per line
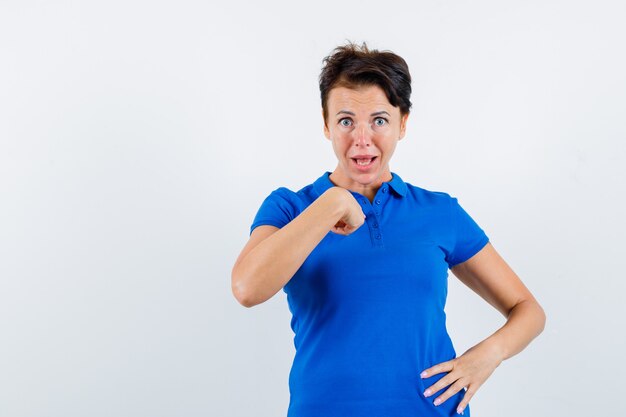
(362, 124)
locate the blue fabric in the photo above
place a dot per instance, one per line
(368, 308)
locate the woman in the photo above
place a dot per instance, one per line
(363, 258)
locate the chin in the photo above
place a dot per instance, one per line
(366, 177)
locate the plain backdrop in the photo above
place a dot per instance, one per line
(139, 138)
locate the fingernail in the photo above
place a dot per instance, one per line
(459, 410)
(438, 401)
(423, 374)
(427, 392)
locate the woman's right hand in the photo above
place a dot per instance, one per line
(353, 216)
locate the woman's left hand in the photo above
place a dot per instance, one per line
(469, 370)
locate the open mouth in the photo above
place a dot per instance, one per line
(364, 162)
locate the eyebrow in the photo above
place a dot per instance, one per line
(352, 114)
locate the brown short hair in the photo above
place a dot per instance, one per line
(354, 66)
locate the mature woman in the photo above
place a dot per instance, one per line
(363, 257)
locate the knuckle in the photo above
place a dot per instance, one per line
(465, 380)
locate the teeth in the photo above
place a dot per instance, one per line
(364, 161)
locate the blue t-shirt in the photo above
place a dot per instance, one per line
(368, 308)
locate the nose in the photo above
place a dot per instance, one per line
(363, 135)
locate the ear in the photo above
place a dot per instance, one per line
(403, 125)
(326, 131)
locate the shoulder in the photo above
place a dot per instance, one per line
(295, 201)
(281, 198)
(429, 197)
(287, 194)
(282, 193)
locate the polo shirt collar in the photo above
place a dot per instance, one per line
(323, 183)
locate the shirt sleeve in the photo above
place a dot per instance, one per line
(467, 236)
(276, 210)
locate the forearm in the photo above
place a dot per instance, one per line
(273, 262)
(525, 322)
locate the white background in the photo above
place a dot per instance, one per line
(138, 139)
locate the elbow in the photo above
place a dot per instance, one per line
(542, 318)
(534, 313)
(241, 298)
(245, 300)
(240, 291)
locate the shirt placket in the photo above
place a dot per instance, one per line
(372, 212)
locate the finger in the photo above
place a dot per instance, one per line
(344, 231)
(469, 393)
(340, 231)
(452, 390)
(437, 369)
(440, 384)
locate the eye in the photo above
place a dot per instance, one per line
(345, 122)
(380, 121)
